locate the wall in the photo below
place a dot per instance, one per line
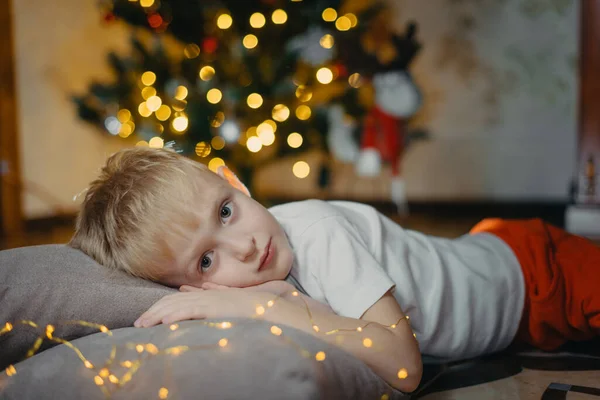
(499, 78)
(60, 47)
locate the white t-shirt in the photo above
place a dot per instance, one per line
(464, 296)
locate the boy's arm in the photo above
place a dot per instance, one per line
(391, 351)
(382, 338)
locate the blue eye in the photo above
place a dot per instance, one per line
(206, 261)
(226, 211)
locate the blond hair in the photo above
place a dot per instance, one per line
(140, 194)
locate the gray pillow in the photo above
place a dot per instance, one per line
(54, 284)
(254, 364)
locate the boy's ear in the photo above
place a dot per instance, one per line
(233, 180)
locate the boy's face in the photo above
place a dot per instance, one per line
(237, 242)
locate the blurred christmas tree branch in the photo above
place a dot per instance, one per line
(242, 82)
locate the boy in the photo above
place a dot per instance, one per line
(163, 217)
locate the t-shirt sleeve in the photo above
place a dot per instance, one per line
(351, 279)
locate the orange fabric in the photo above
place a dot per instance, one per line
(562, 281)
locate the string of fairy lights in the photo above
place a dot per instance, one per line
(255, 138)
(114, 373)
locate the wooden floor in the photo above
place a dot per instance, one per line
(528, 384)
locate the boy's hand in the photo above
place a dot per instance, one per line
(278, 287)
(201, 304)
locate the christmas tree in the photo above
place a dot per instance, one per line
(245, 82)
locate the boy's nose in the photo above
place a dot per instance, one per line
(242, 247)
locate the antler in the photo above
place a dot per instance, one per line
(407, 48)
(358, 60)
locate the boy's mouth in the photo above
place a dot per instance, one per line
(267, 256)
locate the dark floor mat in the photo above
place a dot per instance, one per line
(440, 376)
(573, 356)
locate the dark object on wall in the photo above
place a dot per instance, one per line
(583, 217)
(11, 219)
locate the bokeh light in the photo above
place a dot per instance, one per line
(257, 20)
(353, 19)
(206, 73)
(218, 119)
(279, 17)
(163, 113)
(192, 50)
(218, 143)
(355, 80)
(280, 113)
(303, 93)
(324, 75)
(127, 129)
(327, 41)
(254, 100)
(143, 110)
(271, 123)
(163, 393)
(156, 142)
(275, 330)
(180, 123)
(303, 112)
(224, 21)
(343, 24)
(329, 14)
(153, 103)
(301, 169)
(148, 92)
(214, 96)
(179, 105)
(250, 41)
(181, 93)
(148, 78)
(203, 149)
(215, 163)
(402, 373)
(124, 115)
(266, 133)
(254, 144)
(294, 140)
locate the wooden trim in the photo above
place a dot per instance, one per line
(589, 103)
(48, 224)
(11, 212)
(550, 211)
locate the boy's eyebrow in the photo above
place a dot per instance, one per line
(205, 218)
(216, 204)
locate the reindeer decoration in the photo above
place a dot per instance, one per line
(397, 98)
